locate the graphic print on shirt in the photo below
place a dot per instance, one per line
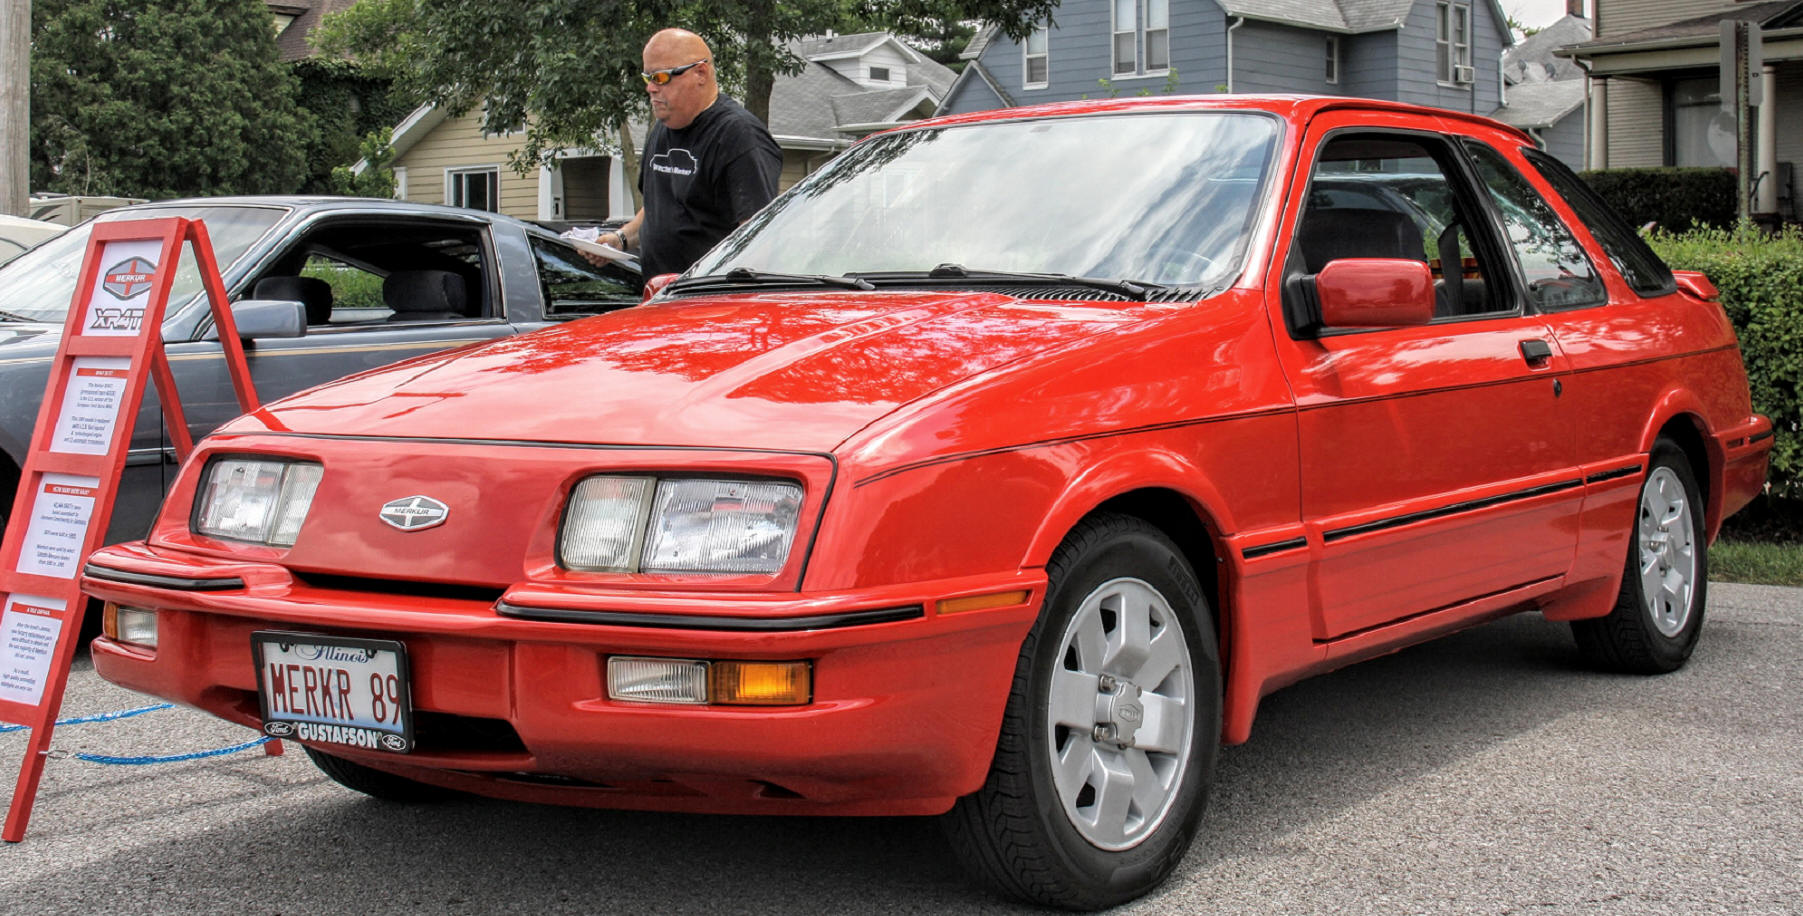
(678, 162)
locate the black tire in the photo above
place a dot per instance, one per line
(1655, 634)
(1019, 834)
(373, 782)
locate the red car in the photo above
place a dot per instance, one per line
(997, 469)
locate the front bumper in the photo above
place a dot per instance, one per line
(510, 694)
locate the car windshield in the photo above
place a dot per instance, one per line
(1160, 197)
(39, 284)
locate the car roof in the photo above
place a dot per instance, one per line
(307, 205)
(1299, 108)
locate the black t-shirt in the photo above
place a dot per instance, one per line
(701, 182)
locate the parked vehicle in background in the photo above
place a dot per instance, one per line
(995, 470)
(378, 281)
(75, 209)
(18, 233)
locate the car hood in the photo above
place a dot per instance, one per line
(801, 372)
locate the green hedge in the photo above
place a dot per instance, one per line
(1761, 279)
(1673, 198)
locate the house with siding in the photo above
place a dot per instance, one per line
(1543, 92)
(1655, 90)
(852, 85)
(1444, 53)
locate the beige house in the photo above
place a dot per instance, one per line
(852, 85)
(1655, 90)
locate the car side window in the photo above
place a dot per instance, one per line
(572, 287)
(356, 293)
(1558, 274)
(1390, 196)
(1645, 272)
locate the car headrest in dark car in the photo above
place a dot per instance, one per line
(426, 295)
(312, 292)
(1349, 232)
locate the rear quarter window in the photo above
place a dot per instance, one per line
(1645, 273)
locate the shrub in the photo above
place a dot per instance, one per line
(1761, 280)
(1673, 198)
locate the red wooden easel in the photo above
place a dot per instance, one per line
(111, 342)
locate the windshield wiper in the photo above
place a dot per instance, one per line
(740, 276)
(1132, 289)
(9, 316)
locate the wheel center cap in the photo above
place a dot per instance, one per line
(1123, 710)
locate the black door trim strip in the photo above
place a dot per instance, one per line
(1454, 509)
(1263, 550)
(1601, 476)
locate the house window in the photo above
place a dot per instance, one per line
(1701, 134)
(477, 189)
(1126, 36)
(1452, 43)
(400, 182)
(1142, 25)
(1036, 68)
(879, 74)
(1333, 59)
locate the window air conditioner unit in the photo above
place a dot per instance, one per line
(1464, 74)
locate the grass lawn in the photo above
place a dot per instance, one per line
(1755, 562)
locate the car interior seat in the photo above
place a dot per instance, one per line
(1355, 232)
(426, 295)
(312, 292)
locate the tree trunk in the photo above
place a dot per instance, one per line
(629, 166)
(15, 107)
(759, 78)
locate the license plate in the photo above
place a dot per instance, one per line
(334, 690)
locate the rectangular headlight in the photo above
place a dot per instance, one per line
(683, 525)
(260, 500)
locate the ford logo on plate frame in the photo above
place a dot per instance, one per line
(415, 513)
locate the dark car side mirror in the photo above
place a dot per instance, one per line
(656, 285)
(1375, 293)
(257, 318)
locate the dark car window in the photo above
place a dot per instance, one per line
(384, 269)
(1408, 209)
(1645, 272)
(573, 287)
(1553, 264)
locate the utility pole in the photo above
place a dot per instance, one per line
(15, 106)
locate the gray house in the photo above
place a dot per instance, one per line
(1445, 53)
(1543, 92)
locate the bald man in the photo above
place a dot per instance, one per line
(708, 165)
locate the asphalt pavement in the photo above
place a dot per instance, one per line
(1487, 772)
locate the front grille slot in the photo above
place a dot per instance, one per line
(449, 591)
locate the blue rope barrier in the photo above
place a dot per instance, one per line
(169, 758)
(135, 761)
(101, 717)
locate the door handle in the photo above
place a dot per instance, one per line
(1536, 352)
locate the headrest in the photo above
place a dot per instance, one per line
(312, 292)
(440, 292)
(1351, 232)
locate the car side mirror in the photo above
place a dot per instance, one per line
(1696, 285)
(656, 285)
(1375, 293)
(257, 318)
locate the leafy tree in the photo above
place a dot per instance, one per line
(162, 98)
(377, 177)
(568, 69)
(347, 104)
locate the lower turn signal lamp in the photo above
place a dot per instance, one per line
(132, 625)
(687, 681)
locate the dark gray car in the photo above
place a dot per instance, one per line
(378, 281)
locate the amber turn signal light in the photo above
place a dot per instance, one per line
(748, 683)
(983, 602)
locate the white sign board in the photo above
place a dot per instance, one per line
(58, 525)
(122, 291)
(90, 408)
(28, 632)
